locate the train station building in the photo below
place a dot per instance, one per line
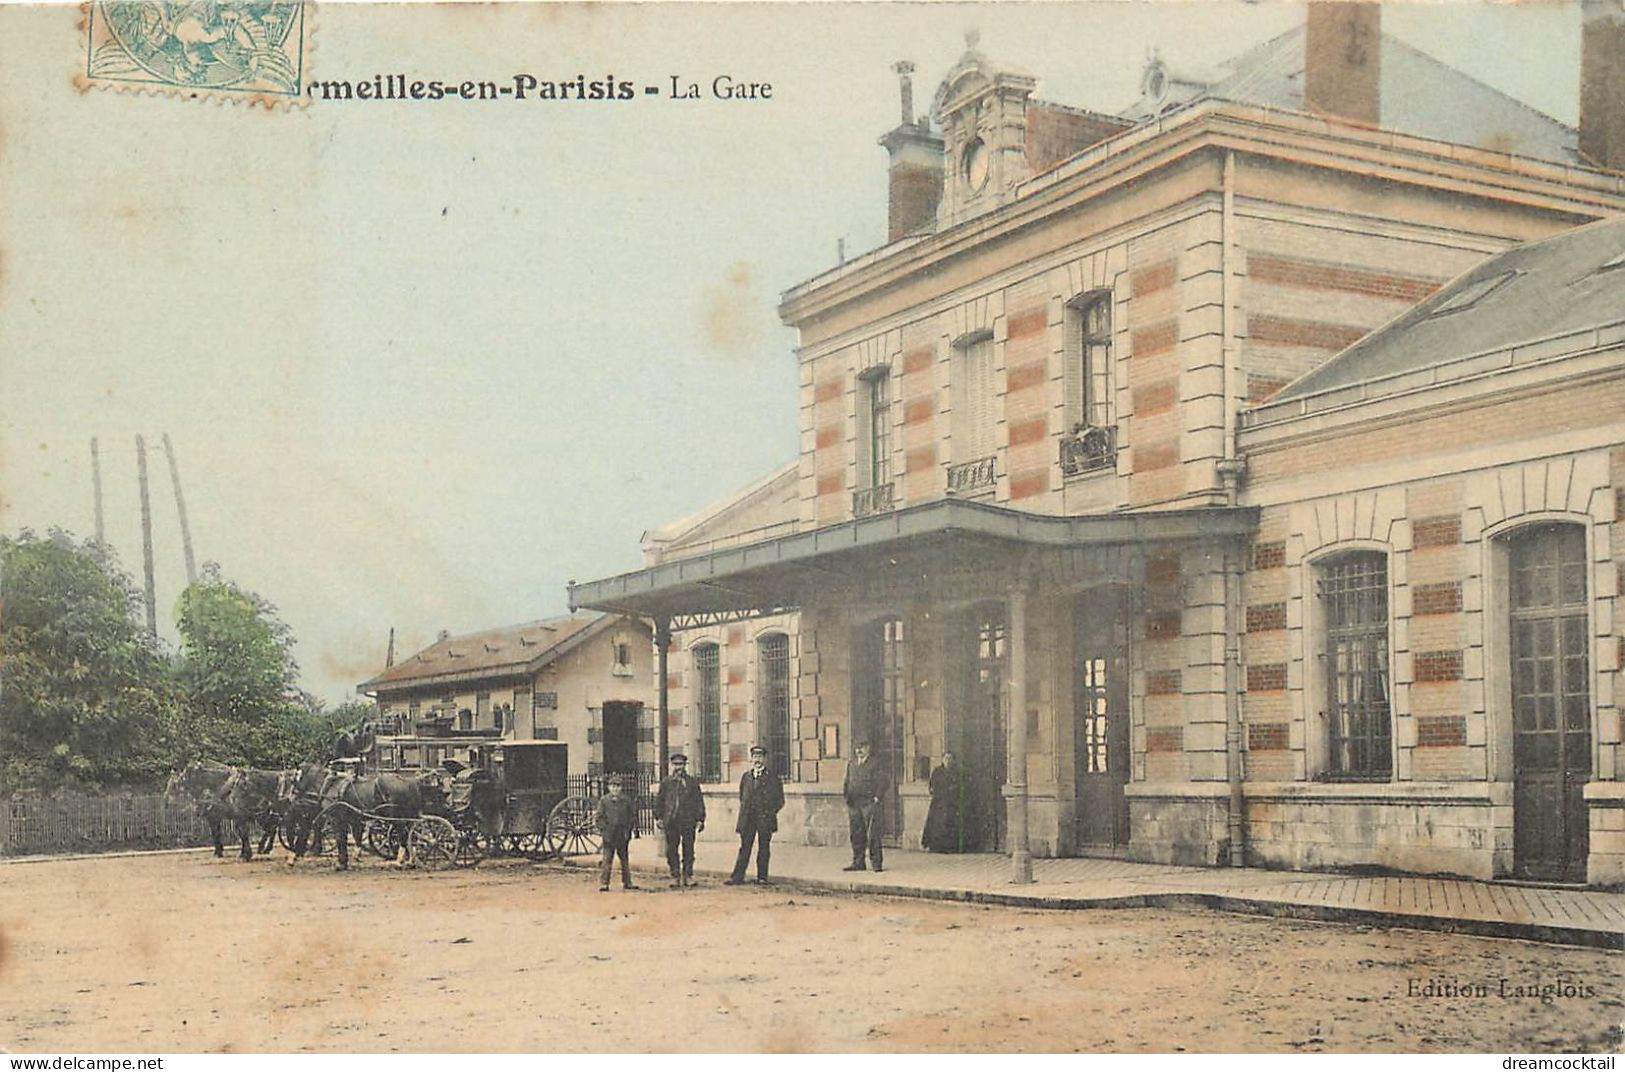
(1200, 476)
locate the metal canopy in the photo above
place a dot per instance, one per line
(783, 573)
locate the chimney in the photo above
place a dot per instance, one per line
(1342, 60)
(914, 184)
(1602, 84)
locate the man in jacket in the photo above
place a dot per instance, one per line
(680, 812)
(761, 795)
(617, 823)
(865, 785)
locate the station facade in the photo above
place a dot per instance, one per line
(1107, 486)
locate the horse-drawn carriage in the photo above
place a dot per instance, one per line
(511, 798)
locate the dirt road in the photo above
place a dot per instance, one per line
(185, 953)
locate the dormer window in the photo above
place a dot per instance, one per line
(977, 165)
(1472, 294)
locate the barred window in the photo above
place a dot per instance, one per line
(708, 707)
(1359, 720)
(773, 700)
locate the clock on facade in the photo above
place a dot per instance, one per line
(975, 161)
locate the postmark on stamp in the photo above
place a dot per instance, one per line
(238, 49)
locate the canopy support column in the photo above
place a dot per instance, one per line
(662, 648)
(1021, 857)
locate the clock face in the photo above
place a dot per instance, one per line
(976, 165)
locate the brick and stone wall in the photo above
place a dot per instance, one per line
(1452, 730)
(739, 676)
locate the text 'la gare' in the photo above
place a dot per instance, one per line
(723, 87)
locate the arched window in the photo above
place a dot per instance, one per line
(708, 711)
(1353, 591)
(773, 700)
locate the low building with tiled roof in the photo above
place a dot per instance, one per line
(585, 679)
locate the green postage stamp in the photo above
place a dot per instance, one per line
(237, 49)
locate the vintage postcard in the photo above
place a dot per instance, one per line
(845, 528)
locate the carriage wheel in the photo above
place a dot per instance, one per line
(469, 850)
(535, 846)
(287, 831)
(379, 833)
(572, 828)
(434, 843)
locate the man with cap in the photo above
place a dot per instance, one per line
(617, 825)
(761, 795)
(680, 812)
(865, 785)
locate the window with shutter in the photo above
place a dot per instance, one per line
(973, 415)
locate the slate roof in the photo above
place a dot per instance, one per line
(493, 652)
(1418, 95)
(1571, 282)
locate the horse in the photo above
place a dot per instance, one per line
(253, 796)
(348, 797)
(206, 785)
(303, 792)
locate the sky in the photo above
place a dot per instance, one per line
(423, 365)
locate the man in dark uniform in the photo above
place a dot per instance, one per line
(865, 785)
(617, 820)
(680, 812)
(761, 795)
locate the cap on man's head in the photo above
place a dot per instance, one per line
(861, 744)
(615, 779)
(677, 757)
(757, 750)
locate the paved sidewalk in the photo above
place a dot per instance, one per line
(1559, 916)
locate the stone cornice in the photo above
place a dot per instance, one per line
(1220, 126)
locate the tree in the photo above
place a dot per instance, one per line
(240, 677)
(84, 691)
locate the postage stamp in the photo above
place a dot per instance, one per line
(237, 49)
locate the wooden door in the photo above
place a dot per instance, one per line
(1100, 706)
(621, 737)
(1551, 702)
(984, 749)
(877, 696)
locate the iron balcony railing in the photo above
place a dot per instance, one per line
(1088, 449)
(968, 477)
(875, 500)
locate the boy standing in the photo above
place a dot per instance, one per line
(617, 816)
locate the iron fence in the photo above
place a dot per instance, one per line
(639, 786)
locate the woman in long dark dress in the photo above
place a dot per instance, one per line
(945, 821)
